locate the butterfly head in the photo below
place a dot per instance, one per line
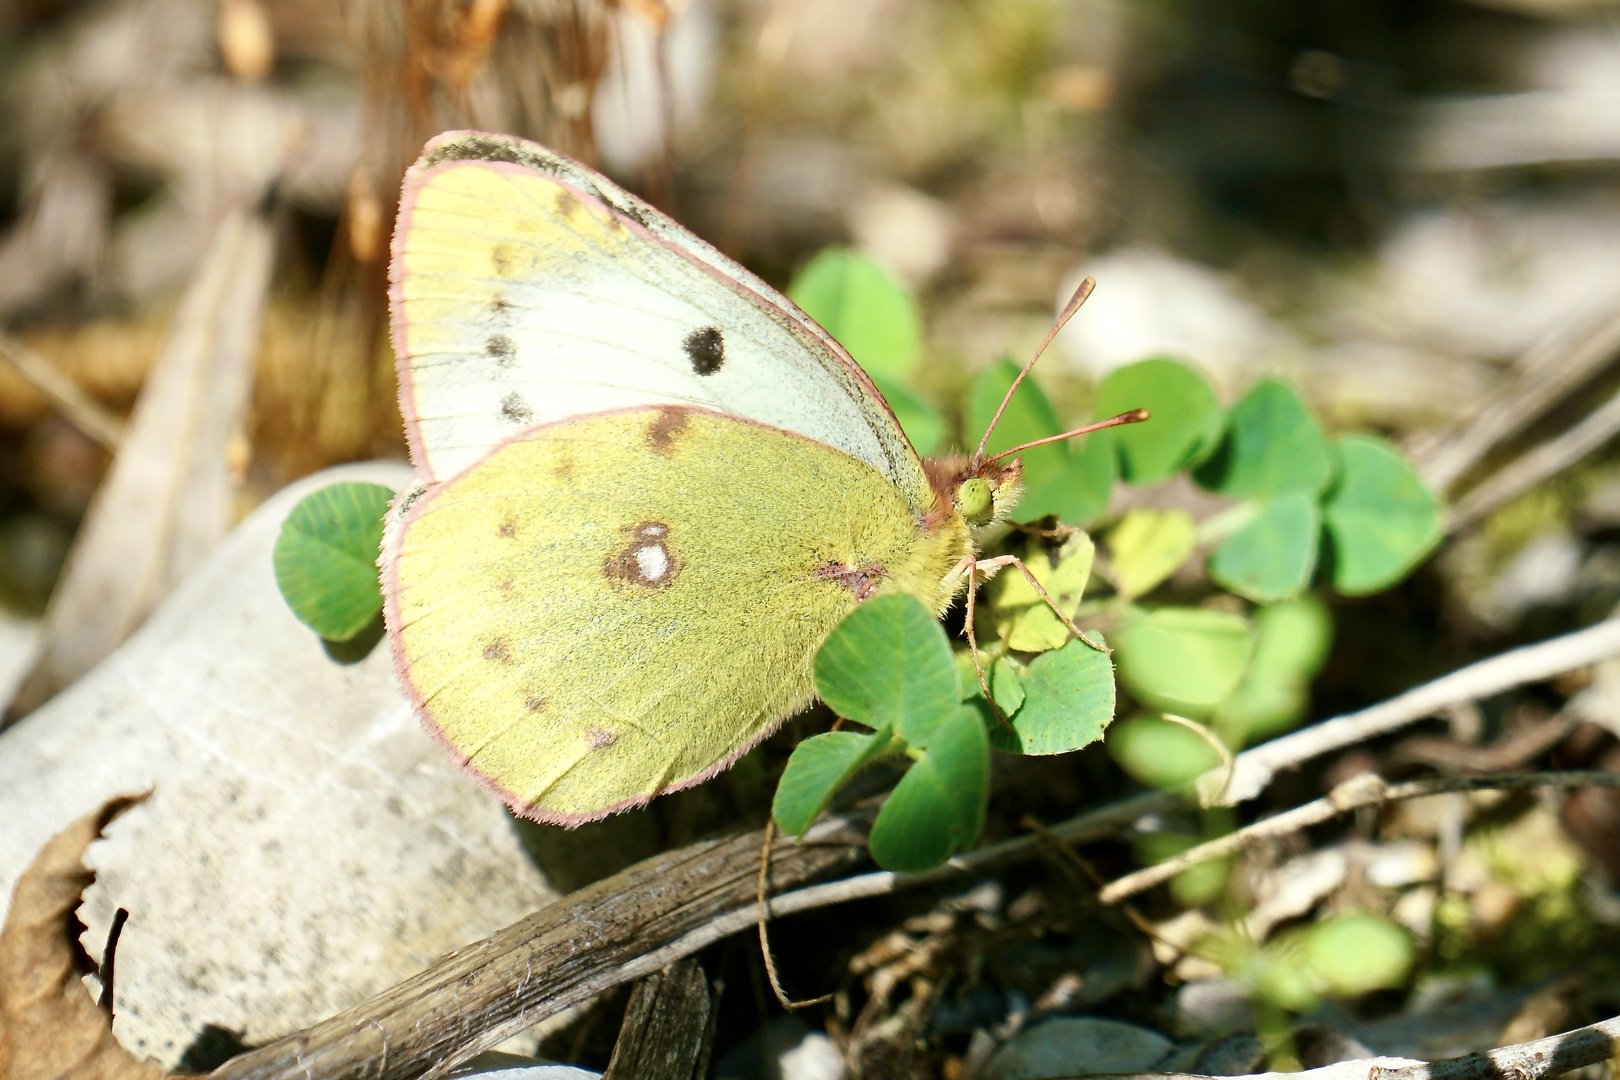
(978, 493)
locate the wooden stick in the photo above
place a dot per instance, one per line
(1535, 466)
(1547, 374)
(615, 931)
(1253, 769)
(666, 1027)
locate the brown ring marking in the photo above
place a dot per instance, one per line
(863, 583)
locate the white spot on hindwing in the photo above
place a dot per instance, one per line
(653, 562)
(646, 561)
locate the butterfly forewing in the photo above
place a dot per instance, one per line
(527, 289)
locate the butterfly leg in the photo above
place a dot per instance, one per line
(971, 566)
(995, 564)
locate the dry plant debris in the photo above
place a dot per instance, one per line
(167, 497)
(50, 1026)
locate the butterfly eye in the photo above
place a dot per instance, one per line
(975, 501)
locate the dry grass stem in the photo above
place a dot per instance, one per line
(1364, 790)
(81, 410)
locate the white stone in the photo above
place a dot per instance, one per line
(306, 844)
(1150, 303)
(815, 1058)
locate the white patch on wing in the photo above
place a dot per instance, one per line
(608, 338)
(653, 562)
(609, 328)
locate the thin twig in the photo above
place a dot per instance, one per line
(109, 960)
(1545, 461)
(1089, 872)
(1541, 1059)
(1548, 373)
(79, 408)
(1512, 752)
(609, 933)
(1364, 790)
(1253, 769)
(1079, 829)
(666, 1028)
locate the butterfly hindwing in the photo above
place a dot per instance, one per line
(611, 606)
(528, 289)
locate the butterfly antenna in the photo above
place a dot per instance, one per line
(1135, 416)
(1069, 309)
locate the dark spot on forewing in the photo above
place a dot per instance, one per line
(501, 349)
(515, 409)
(500, 310)
(534, 703)
(600, 738)
(706, 349)
(666, 426)
(500, 257)
(567, 205)
(506, 529)
(496, 650)
(862, 583)
(645, 560)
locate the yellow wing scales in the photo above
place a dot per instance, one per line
(618, 604)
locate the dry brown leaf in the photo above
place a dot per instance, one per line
(50, 1028)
